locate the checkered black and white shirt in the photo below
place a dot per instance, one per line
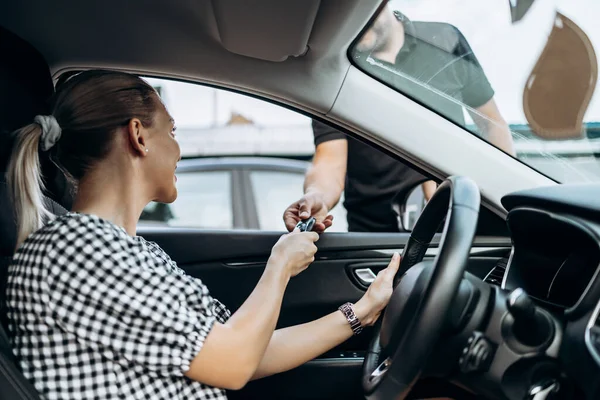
(96, 313)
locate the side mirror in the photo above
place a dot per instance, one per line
(409, 210)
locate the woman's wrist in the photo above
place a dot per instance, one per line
(276, 265)
(365, 312)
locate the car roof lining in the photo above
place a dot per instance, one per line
(182, 40)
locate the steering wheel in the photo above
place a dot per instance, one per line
(415, 317)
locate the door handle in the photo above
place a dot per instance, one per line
(366, 276)
(364, 273)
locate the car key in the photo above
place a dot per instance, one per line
(306, 225)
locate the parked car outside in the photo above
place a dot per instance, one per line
(235, 193)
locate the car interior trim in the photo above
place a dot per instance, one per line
(431, 252)
(508, 265)
(588, 334)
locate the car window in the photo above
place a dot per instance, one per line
(275, 190)
(526, 84)
(203, 201)
(223, 134)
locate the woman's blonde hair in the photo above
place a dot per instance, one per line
(89, 108)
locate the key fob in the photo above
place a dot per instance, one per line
(306, 225)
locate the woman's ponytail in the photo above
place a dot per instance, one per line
(26, 185)
(91, 106)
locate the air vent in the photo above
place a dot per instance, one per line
(495, 276)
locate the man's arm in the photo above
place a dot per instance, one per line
(490, 123)
(323, 186)
(429, 189)
(477, 93)
(327, 173)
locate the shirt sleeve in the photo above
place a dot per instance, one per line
(324, 133)
(476, 89)
(123, 303)
(221, 312)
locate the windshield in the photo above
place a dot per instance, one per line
(519, 74)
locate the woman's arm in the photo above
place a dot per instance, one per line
(232, 351)
(294, 346)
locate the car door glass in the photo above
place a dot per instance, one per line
(203, 201)
(275, 190)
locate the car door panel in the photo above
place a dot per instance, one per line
(188, 246)
(230, 263)
(332, 378)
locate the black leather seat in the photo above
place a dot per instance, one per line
(25, 88)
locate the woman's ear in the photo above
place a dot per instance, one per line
(138, 137)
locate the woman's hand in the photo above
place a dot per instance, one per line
(295, 251)
(369, 307)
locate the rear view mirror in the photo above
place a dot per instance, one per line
(518, 9)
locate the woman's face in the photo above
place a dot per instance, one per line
(162, 156)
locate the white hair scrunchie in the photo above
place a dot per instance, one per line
(50, 130)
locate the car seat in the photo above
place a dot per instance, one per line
(25, 89)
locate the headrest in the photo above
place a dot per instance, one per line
(25, 82)
(25, 90)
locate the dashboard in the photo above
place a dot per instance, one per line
(555, 257)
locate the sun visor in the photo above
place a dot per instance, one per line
(270, 30)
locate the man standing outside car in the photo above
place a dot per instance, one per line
(431, 62)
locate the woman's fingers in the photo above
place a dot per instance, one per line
(392, 268)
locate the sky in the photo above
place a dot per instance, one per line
(194, 106)
(506, 51)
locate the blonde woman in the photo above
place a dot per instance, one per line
(97, 312)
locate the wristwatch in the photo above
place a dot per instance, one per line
(353, 320)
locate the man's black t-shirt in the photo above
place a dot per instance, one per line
(435, 54)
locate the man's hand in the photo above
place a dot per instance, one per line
(429, 189)
(310, 205)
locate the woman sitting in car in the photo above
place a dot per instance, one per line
(98, 312)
